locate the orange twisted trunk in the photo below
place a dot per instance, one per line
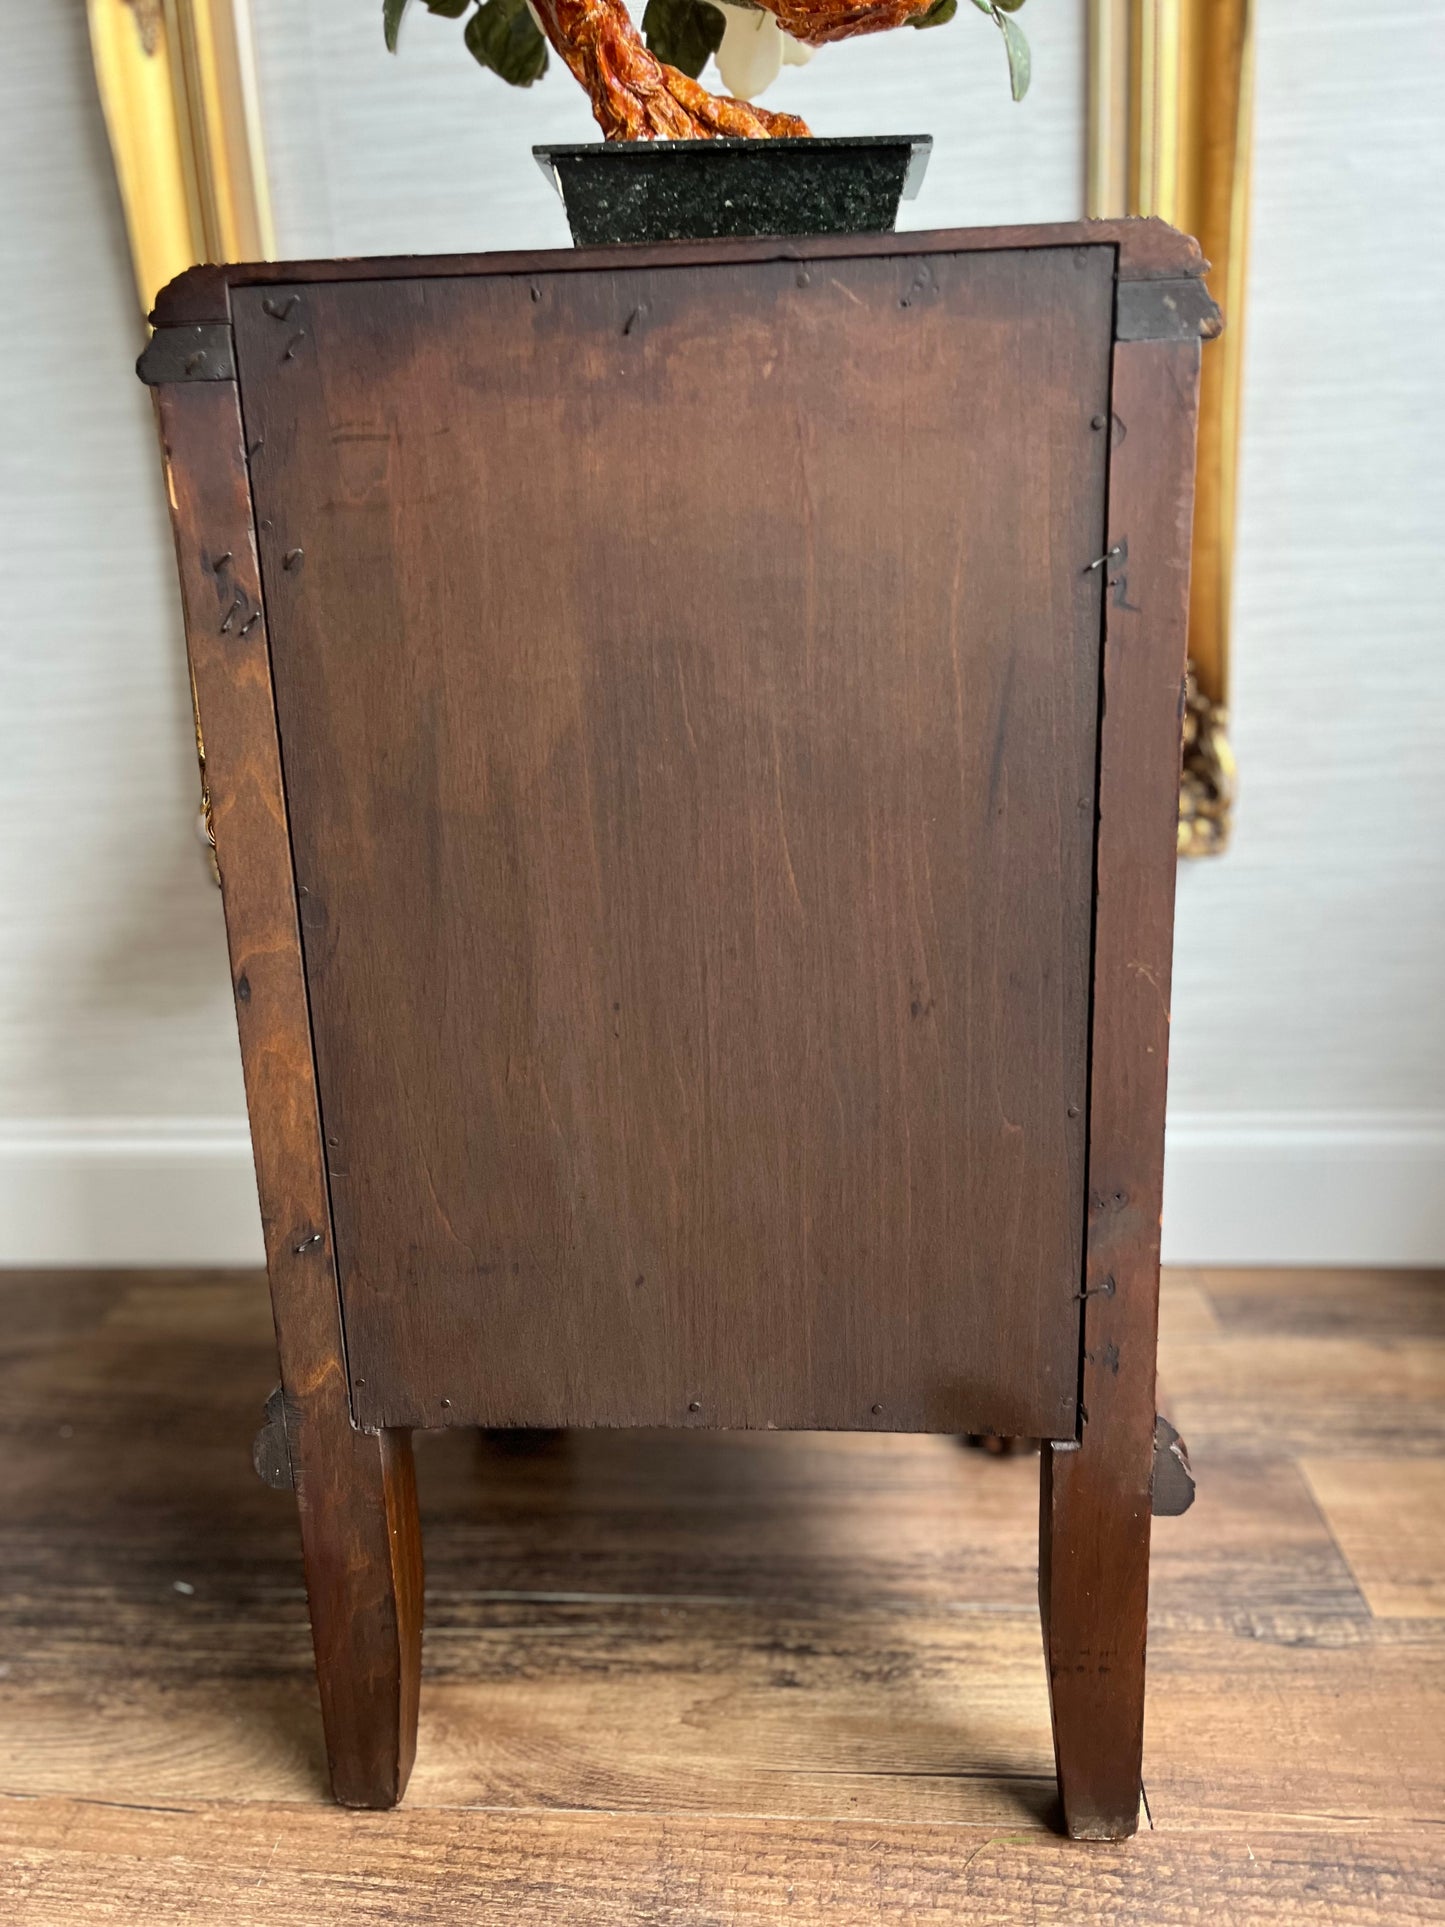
(637, 97)
(816, 22)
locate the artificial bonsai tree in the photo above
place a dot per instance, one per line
(644, 85)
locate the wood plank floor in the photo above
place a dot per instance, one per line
(695, 1679)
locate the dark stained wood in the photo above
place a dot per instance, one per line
(1387, 1400)
(355, 1490)
(1404, 1305)
(1095, 1511)
(1386, 1516)
(75, 1865)
(685, 668)
(684, 1677)
(687, 686)
(1147, 249)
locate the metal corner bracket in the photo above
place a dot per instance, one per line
(1172, 1490)
(203, 352)
(1172, 310)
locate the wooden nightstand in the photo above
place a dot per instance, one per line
(692, 737)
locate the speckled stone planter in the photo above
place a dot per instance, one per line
(698, 190)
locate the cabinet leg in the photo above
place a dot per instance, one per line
(361, 1539)
(1094, 1600)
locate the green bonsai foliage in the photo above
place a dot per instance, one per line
(500, 34)
(684, 33)
(1001, 12)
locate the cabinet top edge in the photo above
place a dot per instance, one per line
(1148, 249)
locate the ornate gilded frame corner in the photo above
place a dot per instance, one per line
(177, 82)
(1170, 115)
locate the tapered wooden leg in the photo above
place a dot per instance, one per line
(1094, 1543)
(1094, 1599)
(356, 1490)
(362, 1544)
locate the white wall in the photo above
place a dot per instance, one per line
(1307, 1120)
(424, 152)
(118, 1060)
(1308, 1061)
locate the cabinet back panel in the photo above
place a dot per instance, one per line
(687, 683)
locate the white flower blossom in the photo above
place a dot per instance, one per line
(754, 50)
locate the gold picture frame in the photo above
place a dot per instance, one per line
(177, 86)
(1169, 126)
(177, 83)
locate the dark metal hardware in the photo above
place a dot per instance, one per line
(201, 353)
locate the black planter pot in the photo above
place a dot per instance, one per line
(698, 190)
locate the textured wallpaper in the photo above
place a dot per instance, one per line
(1308, 972)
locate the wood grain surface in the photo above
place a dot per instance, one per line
(694, 1677)
(1095, 1510)
(1146, 249)
(1396, 1551)
(283, 1868)
(687, 684)
(355, 1491)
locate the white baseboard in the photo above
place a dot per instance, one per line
(128, 1191)
(1241, 1188)
(1305, 1188)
